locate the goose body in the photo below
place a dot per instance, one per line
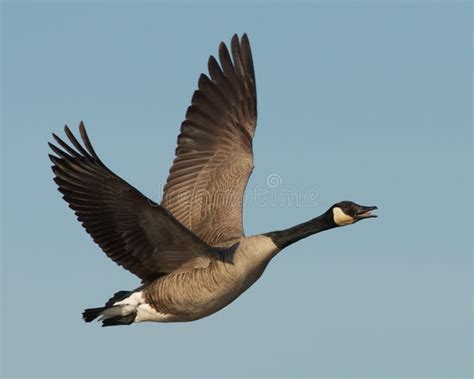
(190, 251)
(188, 296)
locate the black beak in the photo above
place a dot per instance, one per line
(365, 212)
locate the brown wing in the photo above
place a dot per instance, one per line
(135, 232)
(214, 157)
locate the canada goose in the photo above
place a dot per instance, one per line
(189, 251)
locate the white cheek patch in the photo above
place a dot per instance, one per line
(340, 218)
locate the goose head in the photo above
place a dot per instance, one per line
(348, 212)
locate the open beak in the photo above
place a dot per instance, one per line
(365, 212)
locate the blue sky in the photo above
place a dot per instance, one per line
(366, 101)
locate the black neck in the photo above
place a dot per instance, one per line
(283, 238)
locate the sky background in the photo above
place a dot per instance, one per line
(365, 101)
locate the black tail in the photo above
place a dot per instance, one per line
(120, 320)
(113, 314)
(92, 313)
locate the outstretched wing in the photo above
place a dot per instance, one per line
(132, 230)
(214, 158)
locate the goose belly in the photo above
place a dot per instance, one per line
(191, 296)
(188, 296)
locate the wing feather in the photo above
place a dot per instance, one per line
(214, 156)
(132, 230)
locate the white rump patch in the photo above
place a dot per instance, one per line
(147, 313)
(135, 298)
(136, 302)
